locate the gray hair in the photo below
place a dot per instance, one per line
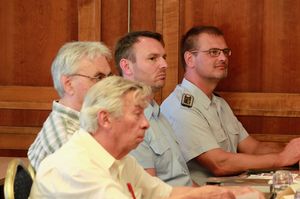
(68, 57)
(108, 95)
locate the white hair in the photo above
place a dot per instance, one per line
(68, 57)
(108, 95)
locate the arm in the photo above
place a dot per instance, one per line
(253, 146)
(222, 163)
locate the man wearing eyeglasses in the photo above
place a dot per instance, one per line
(211, 138)
(77, 66)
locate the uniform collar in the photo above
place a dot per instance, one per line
(153, 110)
(201, 99)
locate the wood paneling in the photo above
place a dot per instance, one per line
(89, 20)
(27, 97)
(267, 115)
(171, 37)
(263, 104)
(264, 36)
(31, 33)
(265, 40)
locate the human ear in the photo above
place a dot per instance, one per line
(189, 59)
(104, 119)
(125, 66)
(67, 85)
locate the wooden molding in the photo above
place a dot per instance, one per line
(273, 137)
(263, 104)
(27, 97)
(89, 20)
(17, 138)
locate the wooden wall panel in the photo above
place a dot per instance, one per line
(143, 15)
(281, 46)
(31, 33)
(239, 21)
(89, 20)
(263, 34)
(171, 36)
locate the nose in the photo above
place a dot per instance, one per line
(222, 56)
(144, 123)
(163, 63)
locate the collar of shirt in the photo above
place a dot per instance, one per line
(64, 110)
(153, 110)
(100, 156)
(200, 98)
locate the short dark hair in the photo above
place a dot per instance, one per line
(123, 48)
(188, 41)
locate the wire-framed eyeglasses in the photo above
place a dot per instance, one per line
(97, 78)
(215, 52)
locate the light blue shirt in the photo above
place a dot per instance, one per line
(206, 125)
(160, 150)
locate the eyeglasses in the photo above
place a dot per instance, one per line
(215, 52)
(97, 78)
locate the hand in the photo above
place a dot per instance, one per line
(290, 154)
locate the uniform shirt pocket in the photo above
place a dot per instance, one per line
(221, 138)
(163, 156)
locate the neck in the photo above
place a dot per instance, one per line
(109, 146)
(69, 102)
(207, 86)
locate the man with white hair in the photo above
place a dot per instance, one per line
(77, 66)
(94, 162)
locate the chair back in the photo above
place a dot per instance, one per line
(18, 180)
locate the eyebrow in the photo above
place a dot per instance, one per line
(158, 55)
(103, 74)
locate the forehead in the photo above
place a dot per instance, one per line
(205, 40)
(130, 101)
(146, 45)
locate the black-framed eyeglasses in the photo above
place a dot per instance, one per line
(215, 52)
(98, 77)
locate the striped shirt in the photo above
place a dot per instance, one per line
(57, 129)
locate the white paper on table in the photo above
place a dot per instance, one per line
(289, 197)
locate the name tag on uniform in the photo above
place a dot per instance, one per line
(187, 100)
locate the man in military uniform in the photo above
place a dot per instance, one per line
(211, 138)
(141, 56)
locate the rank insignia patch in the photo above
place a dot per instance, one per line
(187, 100)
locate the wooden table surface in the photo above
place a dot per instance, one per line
(4, 163)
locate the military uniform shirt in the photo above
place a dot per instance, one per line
(201, 124)
(160, 150)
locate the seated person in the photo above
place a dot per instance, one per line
(212, 140)
(140, 56)
(95, 163)
(77, 66)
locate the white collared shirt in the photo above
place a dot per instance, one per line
(82, 168)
